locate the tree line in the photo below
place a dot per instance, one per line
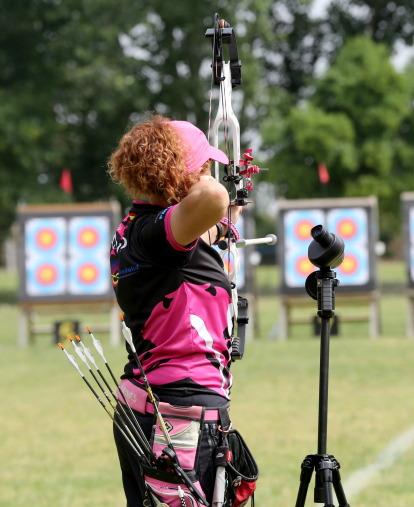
(76, 73)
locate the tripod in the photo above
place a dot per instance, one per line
(326, 251)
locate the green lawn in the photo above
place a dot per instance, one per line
(56, 444)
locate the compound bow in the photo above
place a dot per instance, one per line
(227, 75)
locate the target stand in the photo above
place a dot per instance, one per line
(369, 301)
(64, 265)
(353, 219)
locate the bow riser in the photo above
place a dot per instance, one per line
(226, 114)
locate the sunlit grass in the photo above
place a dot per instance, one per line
(56, 441)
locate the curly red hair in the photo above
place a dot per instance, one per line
(150, 160)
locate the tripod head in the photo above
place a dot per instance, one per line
(326, 252)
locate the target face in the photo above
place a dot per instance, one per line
(88, 255)
(45, 277)
(297, 227)
(45, 236)
(89, 276)
(88, 235)
(351, 224)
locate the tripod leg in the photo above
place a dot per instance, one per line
(339, 490)
(305, 477)
(324, 470)
(327, 487)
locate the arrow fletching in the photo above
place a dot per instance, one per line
(79, 351)
(72, 361)
(89, 355)
(97, 345)
(87, 352)
(127, 333)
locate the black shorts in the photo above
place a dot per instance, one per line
(131, 476)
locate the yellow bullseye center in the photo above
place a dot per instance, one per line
(305, 266)
(46, 274)
(346, 229)
(304, 230)
(88, 273)
(348, 264)
(88, 237)
(46, 238)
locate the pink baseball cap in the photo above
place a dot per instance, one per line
(197, 148)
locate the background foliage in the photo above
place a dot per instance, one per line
(76, 73)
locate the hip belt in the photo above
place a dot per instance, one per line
(138, 401)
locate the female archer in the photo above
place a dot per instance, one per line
(174, 293)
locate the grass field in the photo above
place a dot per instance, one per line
(56, 446)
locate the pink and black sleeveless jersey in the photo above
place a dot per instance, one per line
(177, 303)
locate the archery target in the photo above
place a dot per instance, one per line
(66, 252)
(45, 236)
(89, 276)
(88, 235)
(297, 227)
(45, 276)
(351, 224)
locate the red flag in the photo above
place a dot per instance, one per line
(66, 181)
(323, 173)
